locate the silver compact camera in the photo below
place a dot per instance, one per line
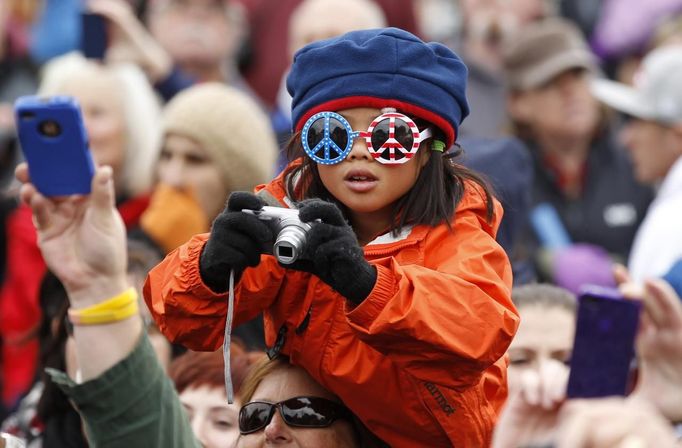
(290, 231)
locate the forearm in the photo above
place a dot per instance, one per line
(188, 312)
(131, 404)
(99, 347)
(420, 317)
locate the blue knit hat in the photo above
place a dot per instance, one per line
(380, 68)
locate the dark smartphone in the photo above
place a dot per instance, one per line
(54, 142)
(94, 35)
(603, 349)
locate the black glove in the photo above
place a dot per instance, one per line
(237, 240)
(332, 252)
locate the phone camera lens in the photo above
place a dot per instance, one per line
(49, 128)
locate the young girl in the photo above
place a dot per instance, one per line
(400, 304)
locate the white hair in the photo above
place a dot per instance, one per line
(141, 111)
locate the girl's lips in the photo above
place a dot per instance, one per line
(360, 181)
(359, 174)
(360, 186)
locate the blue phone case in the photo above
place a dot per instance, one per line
(55, 145)
(603, 349)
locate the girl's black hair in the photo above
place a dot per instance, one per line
(431, 201)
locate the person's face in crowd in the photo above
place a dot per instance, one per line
(562, 108)
(284, 383)
(325, 19)
(367, 187)
(98, 93)
(545, 335)
(492, 21)
(524, 11)
(653, 148)
(185, 165)
(213, 421)
(195, 32)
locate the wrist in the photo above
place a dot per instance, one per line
(215, 275)
(357, 291)
(115, 309)
(96, 291)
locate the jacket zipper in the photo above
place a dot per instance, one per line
(275, 350)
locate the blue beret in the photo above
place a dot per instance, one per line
(379, 68)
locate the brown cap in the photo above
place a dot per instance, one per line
(543, 50)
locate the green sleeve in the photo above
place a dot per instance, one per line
(133, 404)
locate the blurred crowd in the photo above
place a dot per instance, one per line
(576, 123)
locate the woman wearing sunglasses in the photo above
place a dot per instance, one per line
(400, 301)
(284, 405)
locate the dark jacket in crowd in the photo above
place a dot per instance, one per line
(612, 203)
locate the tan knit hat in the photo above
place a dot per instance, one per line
(231, 127)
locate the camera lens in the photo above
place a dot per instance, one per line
(49, 128)
(289, 244)
(285, 252)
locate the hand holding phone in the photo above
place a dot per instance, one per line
(54, 142)
(603, 349)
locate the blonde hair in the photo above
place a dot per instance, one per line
(259, 371)
(545, 296)
(141, 112)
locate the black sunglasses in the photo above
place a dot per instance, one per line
(304, 412)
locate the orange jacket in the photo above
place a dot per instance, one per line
(420, 361)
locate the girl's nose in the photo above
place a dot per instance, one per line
(359, 150)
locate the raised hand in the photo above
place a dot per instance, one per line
(531, 413)
(82, 238)
(132, 42)
(612, 422)
(659, 347)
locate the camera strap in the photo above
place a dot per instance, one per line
(228, 339)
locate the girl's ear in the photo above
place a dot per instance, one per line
(426, 155)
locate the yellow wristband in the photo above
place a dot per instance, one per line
(117, 308)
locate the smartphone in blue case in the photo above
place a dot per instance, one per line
(603, 349)
(55, 145)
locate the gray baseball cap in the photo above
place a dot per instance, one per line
(657, 91)
(543, 50)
